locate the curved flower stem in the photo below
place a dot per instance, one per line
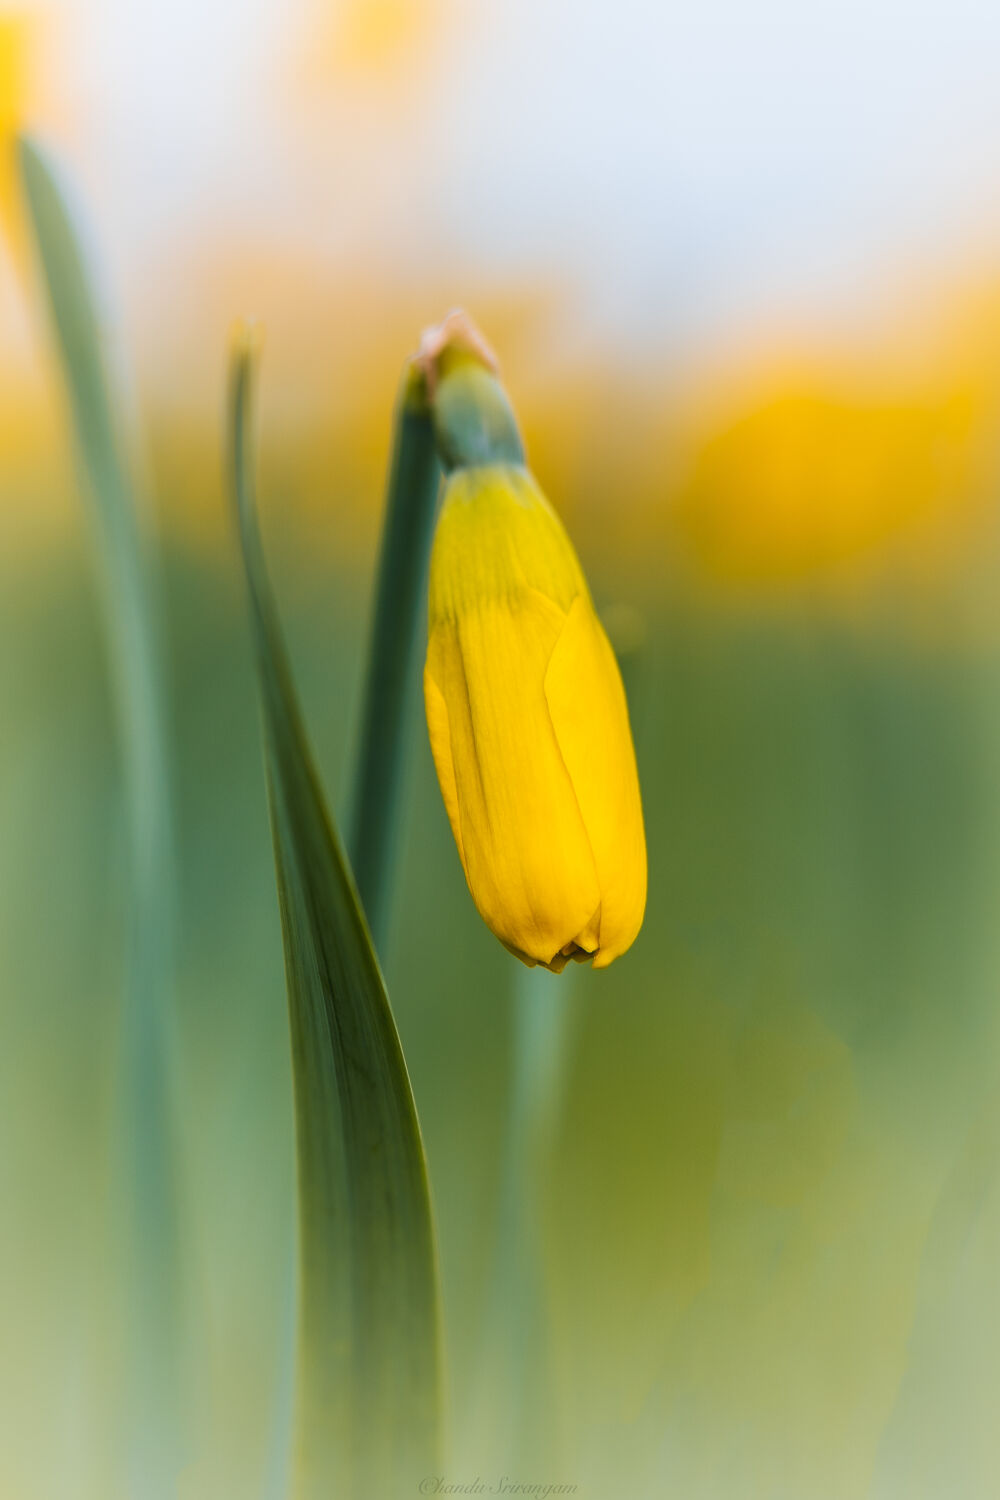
(414, 479)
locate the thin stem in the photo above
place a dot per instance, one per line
(414, 478)
(512, 1417)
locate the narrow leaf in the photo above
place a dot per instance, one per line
(368, 1398)
(126, 597)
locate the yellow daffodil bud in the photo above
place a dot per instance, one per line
(528, 723)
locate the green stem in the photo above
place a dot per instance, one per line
(414, 478)
(512, 1419)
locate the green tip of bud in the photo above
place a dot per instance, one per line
(473, 420)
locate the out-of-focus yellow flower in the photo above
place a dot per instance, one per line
(378, 48)
(822, 470)
(529, 727)
(374, 33)
(14, 34)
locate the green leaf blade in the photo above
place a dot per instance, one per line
(369, 1371)
(127, 600)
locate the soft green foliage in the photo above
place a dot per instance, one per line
(368, 1396)
(127, 600)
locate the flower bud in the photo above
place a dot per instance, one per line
(529, 727)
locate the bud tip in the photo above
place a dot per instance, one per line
(457, 331)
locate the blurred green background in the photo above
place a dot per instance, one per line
(769, 1224)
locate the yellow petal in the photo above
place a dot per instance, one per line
(439, 730)
(586, 699)
(525, 849)
(496, 538)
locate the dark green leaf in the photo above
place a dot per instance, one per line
(368, 1398)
